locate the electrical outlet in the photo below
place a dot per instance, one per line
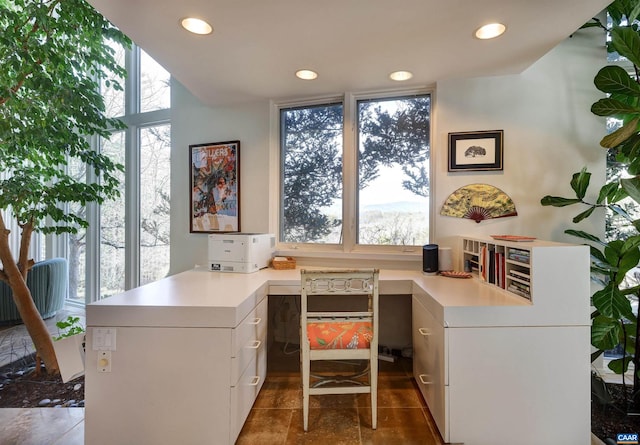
(104, 361)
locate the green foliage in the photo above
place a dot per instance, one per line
(54, 55)
(71, 327)
(613, 320)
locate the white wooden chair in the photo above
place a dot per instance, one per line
(339, 335)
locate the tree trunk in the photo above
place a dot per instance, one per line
(34, 323)
(15, 274)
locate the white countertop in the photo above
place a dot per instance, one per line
(200, 298)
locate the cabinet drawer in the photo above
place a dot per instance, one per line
(252, 327)
(245, 392)
(252, 336)
(246, 355)
(430, 364)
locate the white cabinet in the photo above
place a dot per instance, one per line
(430, 363)
(176, 384)
(496, 368)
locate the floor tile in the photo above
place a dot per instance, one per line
(265, 426)
(401, 426)
(280, 392)
(38, 426)
(334, 426)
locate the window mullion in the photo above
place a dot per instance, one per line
(92, 252)
(132, 176)
(349, 169)
(132, 208)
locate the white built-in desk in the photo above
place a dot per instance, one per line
(493, 367)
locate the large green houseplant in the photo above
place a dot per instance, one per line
(54, 54)
(614, 322)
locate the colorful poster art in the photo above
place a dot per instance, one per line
(215, 187)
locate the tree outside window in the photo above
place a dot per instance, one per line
(392, 148)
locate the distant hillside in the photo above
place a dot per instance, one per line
(400, 207)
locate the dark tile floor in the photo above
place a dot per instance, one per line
(276, 417)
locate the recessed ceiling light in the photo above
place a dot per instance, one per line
(400, 75)
(196, 26)
(490, 31)
(306, 74)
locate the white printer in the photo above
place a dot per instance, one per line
(240, 252)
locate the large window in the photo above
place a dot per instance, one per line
(127, 242)
(370, 166)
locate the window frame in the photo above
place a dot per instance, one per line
(349, 244)
(136, 121)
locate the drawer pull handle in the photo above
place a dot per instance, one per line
(256, 344)
(424, 331)
(256, 321)
(424, 378)
(255, 381)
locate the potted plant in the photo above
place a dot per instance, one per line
(54, 55)
(614, 320)
(69, 346)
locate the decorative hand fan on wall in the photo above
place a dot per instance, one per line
(478, 202)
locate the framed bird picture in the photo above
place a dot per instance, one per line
(475, 151)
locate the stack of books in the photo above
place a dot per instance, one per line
(520, 255)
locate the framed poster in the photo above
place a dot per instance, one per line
(215, 187)
(475, 151)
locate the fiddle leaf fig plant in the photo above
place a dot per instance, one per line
(613, 261)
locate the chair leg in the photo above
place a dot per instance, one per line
(374, 393)
(305, 391)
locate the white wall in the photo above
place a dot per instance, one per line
(194, 123)
(549, 133)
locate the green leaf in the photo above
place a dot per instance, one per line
(611, 302)
(607, 191)
(580, 182)
(557, 201)
(584, 235)
(615, 79)
(613, 107)
(620, 365)
(604, 333)
(628, 260)
(633, 168)
(584, 214)
(633, 242)
(633, 15)
(621, 134)
(632, 187)
(597, 255)
(626, 42)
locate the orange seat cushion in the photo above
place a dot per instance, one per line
(340, 334)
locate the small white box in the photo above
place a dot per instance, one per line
(240, 252)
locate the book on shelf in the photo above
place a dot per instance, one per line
(501, 270)
(520, 286)
(492, 266)
(520, 258)
(520, 275)
(483, 263)
(520, 292)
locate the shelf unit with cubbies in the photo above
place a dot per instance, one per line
(504, 264)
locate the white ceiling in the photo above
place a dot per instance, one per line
(257, 45)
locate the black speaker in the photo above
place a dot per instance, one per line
(430, 259)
